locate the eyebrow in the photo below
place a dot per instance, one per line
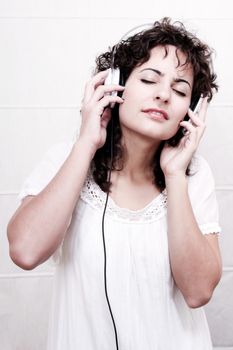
(178, 80)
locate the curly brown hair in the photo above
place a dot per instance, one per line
(132, 52)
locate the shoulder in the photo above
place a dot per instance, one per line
(59, 151)
(201, 178)
(202, 193)
(46, 169)
(200, 169)
(199, 164)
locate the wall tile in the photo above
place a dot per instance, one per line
(217, 146)
(225, 201)
(105, 9)
(24, 313)
(41, 63)
(47, 62)
(25, 137)
(220, 310)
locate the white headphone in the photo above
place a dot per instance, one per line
(113, 77)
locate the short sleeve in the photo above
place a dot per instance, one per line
(46, 169)
(43, 174)
(203, 197)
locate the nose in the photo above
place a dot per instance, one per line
(162, 93)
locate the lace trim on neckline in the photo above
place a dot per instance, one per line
(92, 194)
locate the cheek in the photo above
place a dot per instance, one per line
(129, 105)
(181, 114)
(129, 95)
(177, 118)
(133, 91)
(125, 111)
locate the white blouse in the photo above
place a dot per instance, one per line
(149, 310)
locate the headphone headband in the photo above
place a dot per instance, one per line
(113, 77)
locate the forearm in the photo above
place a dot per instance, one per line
(194, 264)
(39, 226)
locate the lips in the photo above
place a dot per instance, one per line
(156, 114)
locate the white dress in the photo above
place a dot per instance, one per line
(149, 310)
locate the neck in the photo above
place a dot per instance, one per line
(138, 155)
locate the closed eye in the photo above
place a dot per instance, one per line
(148, 81)
(180, 93)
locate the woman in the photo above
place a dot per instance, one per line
(161, 221)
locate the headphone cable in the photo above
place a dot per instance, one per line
(104, 244)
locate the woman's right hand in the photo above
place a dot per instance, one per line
(95, 111)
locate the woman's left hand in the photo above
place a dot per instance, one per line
(175, 160)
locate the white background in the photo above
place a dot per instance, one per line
(47, 52)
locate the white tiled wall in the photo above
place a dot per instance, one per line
(47, 53)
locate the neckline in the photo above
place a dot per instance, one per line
(134, 211)
(93, 195)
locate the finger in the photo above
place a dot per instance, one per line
(188, 127)
(202, 111)
(106, 116)
(103, 90)
(195, 119)
(91, 85)
(193, 132)
(106, 101)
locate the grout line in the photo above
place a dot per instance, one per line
(40, 107)
(227, 269)
(9, 193)
(217, 188)
(26, 275)
(52, 107)
(224, 188)
(68, 17)
(45, 17)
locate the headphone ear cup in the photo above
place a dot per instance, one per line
(113, 77)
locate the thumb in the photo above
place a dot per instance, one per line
(106, 116)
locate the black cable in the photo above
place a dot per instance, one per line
(104, 245)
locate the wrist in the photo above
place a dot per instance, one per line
(176, 180)
(85, 146)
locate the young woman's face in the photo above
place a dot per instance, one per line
(157, 95)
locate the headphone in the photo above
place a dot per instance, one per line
(114, 78)
(114, 75)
